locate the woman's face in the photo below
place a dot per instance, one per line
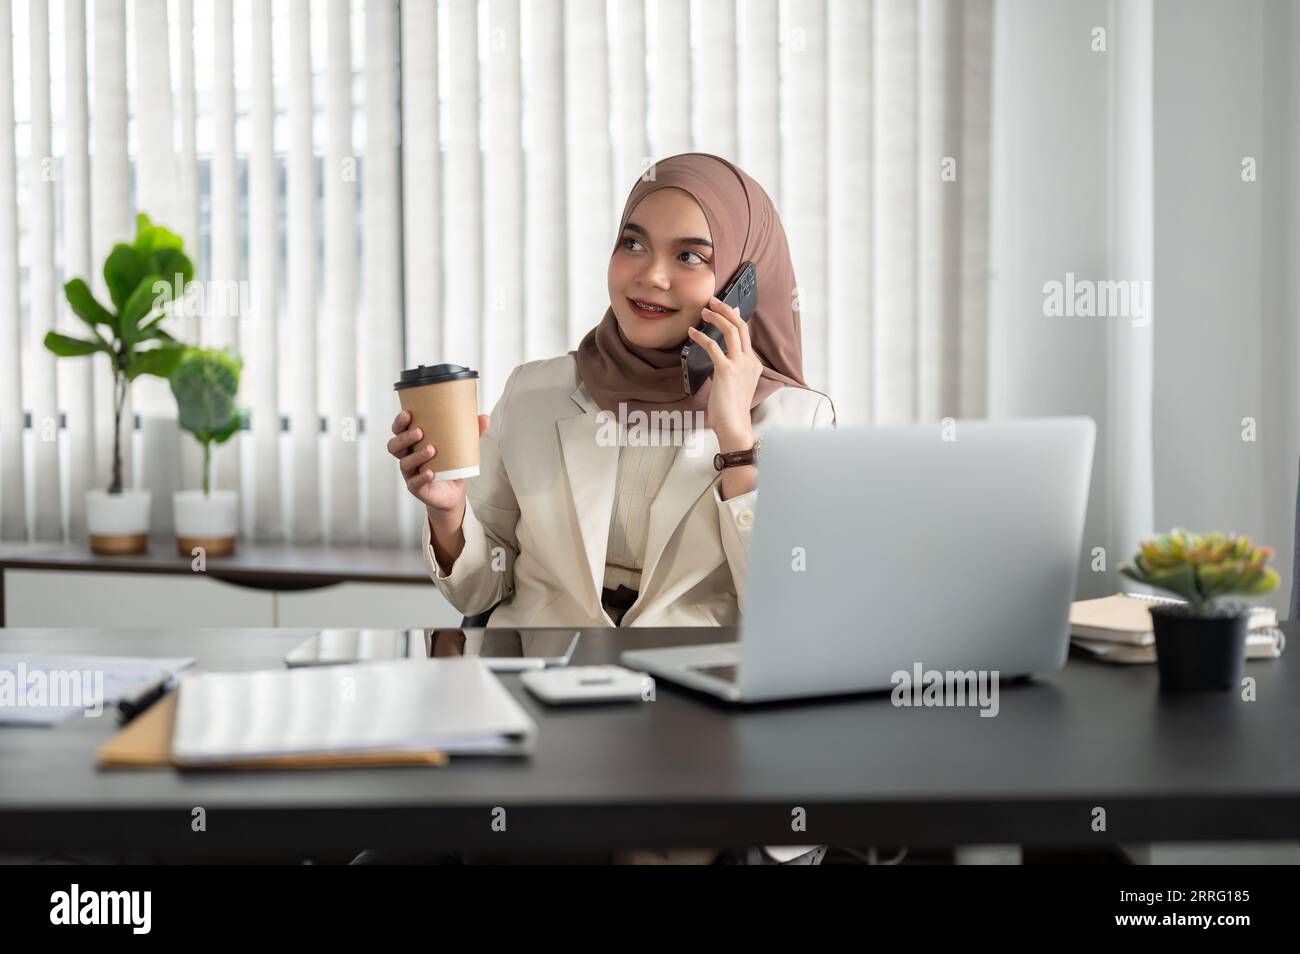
(664, 257)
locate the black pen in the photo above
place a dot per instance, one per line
(128, 709)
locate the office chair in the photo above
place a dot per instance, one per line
(479, 620)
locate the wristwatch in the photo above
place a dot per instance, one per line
(738, 458)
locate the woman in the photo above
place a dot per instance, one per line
(566, 527)
(579, 517)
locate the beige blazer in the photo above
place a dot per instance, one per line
(537, 516)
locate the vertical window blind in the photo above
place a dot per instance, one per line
(369, 184)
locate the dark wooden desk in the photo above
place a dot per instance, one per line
(271, 566)
(686, 770)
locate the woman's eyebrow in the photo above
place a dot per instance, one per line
(688, 240)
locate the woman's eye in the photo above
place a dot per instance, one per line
(698, 259)
(627, 239)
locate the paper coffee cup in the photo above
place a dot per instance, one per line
(443, 401)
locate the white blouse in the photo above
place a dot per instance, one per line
(641, 472)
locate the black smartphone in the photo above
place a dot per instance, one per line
(741, 293)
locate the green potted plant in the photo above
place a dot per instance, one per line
(206, 385)
(1201, 643)
(141, 277)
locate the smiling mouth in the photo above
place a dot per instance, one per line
(650, 310)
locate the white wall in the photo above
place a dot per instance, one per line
(1280, 362)
(1225, 340)
(1226, 268)
(1049, 216)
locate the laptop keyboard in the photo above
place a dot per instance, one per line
(725, 673)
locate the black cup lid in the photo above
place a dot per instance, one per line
(433, 374)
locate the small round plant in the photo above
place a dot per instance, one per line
(1203, 569)
(206, 385)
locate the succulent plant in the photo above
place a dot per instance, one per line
(1201, 568)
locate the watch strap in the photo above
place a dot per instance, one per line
(737, 458)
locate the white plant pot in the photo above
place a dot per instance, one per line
(210, 521)
(118, 523)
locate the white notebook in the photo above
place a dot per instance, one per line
(455, 705)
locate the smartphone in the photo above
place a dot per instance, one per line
(741, 293)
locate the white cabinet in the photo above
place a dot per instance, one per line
(377, 605)
(46, 598)
(77, 598)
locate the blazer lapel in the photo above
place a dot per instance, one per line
(690, 476)
(592, 472)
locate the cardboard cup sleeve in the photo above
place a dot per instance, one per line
(447, 413)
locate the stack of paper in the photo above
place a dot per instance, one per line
(1118, 629)
(46, 689)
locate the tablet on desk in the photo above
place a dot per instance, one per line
(501, 649)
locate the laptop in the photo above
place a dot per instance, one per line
(876, 549)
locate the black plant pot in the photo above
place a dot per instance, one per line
(1200, 652)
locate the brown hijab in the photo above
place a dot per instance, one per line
(744, 227)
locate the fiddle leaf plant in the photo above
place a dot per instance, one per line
(142, 277)
(206, 385)
(1202, 568)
